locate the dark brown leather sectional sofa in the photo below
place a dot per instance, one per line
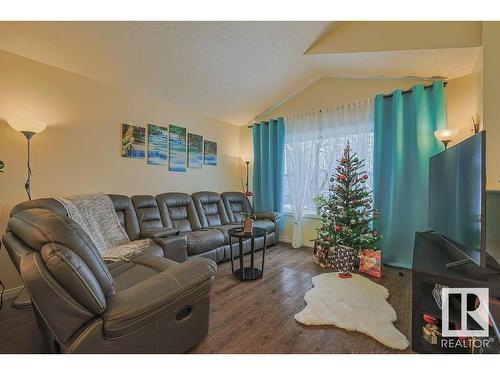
(158, 301)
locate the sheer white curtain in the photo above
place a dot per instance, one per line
(313, 144)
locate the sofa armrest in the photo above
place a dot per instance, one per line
(170, 292)
(159, 233)
(273, 216)
(174, 248)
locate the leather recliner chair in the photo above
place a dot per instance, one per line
(237, 204)
(148, 305)
(174, 245)
(178, 211)
(212, 212)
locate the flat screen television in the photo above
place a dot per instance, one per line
(457, 196)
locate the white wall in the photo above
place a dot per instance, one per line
(80, 150)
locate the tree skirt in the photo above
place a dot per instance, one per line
(355, 304)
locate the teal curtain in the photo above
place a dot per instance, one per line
(269, 165)
(404, 142)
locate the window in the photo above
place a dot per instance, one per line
(330, 152)
(319, 140)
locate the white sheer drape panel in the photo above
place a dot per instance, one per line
(314, 142)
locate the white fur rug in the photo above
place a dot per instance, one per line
(356, 304)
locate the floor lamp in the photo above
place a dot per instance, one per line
(247, 159)
(28, 129)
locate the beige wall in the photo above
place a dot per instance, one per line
(80, 150)
(364, 36)
(464, 98)
(491, 69)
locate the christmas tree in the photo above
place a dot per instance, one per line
(346, 213)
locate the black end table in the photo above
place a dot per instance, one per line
(247, 273)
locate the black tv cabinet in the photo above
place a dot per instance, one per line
(431, 255)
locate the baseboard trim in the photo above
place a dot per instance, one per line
(9, 294)
(285, 239)
(289, 240)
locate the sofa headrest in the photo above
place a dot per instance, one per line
(148, 213)
(210, 208)
(37, 227)
(177, 211)
(175, 199)
(234, 196)
(50, 204)
(207, 197)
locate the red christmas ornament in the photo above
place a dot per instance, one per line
(375, 233)
(342, 177)
(338, 228)
(343, 161)
(429, 319)
(365, 177)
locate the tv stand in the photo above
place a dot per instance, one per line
(431, 256)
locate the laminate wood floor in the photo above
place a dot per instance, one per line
(255, 316)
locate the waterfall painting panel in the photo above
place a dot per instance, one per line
(195, 150)
(210, 154)
(133, 142)
(177, 149)
(157, 145)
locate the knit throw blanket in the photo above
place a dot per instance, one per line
(96, 215)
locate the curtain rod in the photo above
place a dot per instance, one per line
(385, 96)
(410, 90)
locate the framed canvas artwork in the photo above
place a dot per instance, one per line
(177, 148)
(210, 153)
(133, 141)
(157, 145)
(195, 150)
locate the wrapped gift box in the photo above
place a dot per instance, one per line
(321, 255)
(342, 258)
(431, 333)
(370, 262)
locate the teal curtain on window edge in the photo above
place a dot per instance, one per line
(269, 166)
(403, 143)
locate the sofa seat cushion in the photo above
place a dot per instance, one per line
(266, 224)
(139, 268)
(153, 249)
(225, 229)
(204, 240)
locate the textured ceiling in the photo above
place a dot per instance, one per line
(232, 71)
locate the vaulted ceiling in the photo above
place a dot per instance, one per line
(233, 71)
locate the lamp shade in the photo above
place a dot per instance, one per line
(27, 125)
(446, 134)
